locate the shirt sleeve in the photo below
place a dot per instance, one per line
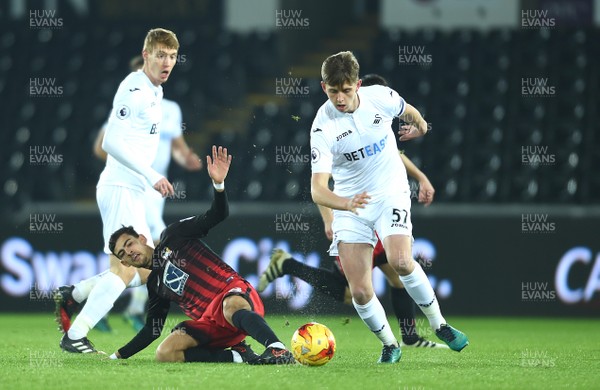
(199, 225)
(125, 108)
(393, 102)
(158, 309)
(177, 121)
(321, 156)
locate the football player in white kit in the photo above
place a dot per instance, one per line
(352, 140)
(131, 141)
(171, 143)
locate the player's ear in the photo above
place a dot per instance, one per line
(143, 239)
(324, 86)
(358, 84)
(145, 55)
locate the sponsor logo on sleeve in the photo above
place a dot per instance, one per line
(315, 155)
(123, 112)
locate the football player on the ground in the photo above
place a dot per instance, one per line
(222, 306)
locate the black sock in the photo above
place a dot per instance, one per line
(207, 355)
(255, 326)
(325, 281)
(404, 309)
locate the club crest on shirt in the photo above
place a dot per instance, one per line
(166, 253)
(175, 278)
(123, 112)
(377, 120)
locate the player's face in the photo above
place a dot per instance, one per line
(133, 251)
(159, 64)
(343, 97)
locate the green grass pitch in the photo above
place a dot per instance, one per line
(505, 353)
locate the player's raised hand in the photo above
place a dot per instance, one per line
(164, 187)
(358, 201)
(218, 165)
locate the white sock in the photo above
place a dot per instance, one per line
(136, 281)
(418, 287)
(137, 304)
(99, 302)
(276, 344)
(237, 358)
(83, 288)
(373, 315)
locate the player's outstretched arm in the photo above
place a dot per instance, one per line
(426, 190)
(218, 165)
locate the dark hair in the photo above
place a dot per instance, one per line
(340, 68)
(112, 241)
(136, 63)
(373, 79)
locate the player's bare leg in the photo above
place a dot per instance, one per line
(356, 262)
(398, 249)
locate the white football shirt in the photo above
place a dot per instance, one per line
(170, 128)
(359, 149)
(132, 134)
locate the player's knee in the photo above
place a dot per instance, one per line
(403, 265)
(164, 354)
(362, 295)
(125, 273)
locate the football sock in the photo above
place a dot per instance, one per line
(255, 326)
(418, 287)
(137, 304)
(325, 281)
(99, 302)
(404, 309)
(83, 288)
(209, 355)
(373, 315)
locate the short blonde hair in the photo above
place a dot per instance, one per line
(340, 68)
(160, 36)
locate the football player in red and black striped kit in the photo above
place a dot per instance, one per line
(222, 306)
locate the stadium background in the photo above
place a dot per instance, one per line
(510, 89)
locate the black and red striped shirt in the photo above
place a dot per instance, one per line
(184, 270)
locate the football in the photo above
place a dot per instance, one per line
(313, 344)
